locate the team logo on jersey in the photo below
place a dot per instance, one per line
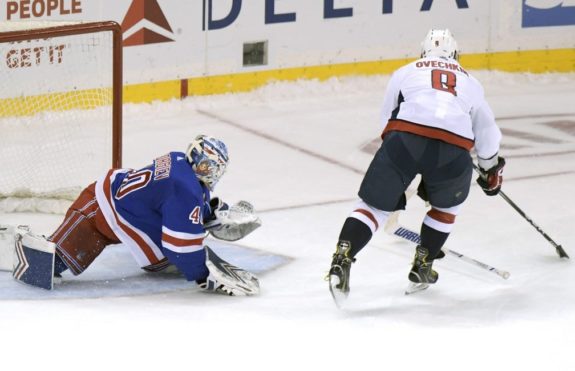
(145, 23)
(545, 13)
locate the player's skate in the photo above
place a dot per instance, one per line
(227, 279)
(339, 273)
(421, 274)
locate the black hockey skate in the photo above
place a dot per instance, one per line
(339, 272)
(421, 274)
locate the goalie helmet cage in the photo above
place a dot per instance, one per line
(60, 110)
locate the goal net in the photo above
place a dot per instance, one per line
(60, 111)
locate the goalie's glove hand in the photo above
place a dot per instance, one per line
(490, 180)
(217, 206)
(235, 222)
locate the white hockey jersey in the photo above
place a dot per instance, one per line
(437, 98)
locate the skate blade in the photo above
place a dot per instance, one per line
(415, 287)
(339, 297)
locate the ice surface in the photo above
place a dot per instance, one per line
(117, 274)
(298, 152)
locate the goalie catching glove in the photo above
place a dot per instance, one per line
(232, 223)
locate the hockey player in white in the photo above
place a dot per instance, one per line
(434, 113)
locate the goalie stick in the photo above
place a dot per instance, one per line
(392, 227)
(560, 251)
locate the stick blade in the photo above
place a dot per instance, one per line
(561, 252)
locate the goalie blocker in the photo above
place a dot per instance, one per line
(30, 257)
(227, 279)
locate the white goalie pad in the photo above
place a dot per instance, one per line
(236, 222)
(8, 234)
(34, 260)
(29, 257)
(227, 279)
(7, 248)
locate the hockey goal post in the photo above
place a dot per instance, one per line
(60, 110)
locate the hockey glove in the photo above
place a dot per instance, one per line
(235, 222)
(227, 279)
(217, 206)
(490, 180)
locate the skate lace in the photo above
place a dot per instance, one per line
(423, 263)
(421, 259)
(424, 268)
(341, 262)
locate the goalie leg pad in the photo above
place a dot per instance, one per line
(7, 251)
(228, 279)
(83, 234)
(34, 260)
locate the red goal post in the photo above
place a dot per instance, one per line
(60, 108)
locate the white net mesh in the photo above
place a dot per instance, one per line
(55, 116)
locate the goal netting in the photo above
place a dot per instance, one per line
(60, 111)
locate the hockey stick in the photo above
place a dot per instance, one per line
(392, 227)
(558, 248)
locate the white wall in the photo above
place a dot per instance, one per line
(480, 26)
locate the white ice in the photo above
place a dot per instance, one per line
(296, 154)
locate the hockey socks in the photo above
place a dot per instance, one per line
(356, 233)
(433, 240)
(436, 227)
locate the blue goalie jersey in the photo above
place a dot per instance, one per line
(158, 213)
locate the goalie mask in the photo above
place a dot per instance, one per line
(439, 43)
(209, 159)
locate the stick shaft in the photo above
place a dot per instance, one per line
(414, 237)
(560, 251)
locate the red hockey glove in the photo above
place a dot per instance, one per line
(490, 180)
